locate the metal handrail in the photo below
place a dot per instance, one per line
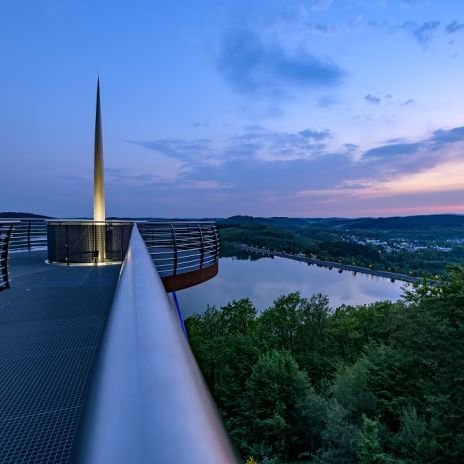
(5, 236)
(174, 222)
(86, 242)
(87, 221)
(148, 401)
(28, 234)
(180, 247)
(168, 242)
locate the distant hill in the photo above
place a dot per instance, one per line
(382, 223)
(406, 222)
(11, 215)
(160, 219)
(389, 223)
(278, 221)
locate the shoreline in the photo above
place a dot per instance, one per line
(332, 264)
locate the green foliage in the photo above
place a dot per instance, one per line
(251, 460)
(332, 240)
(263, 236)
(368, 447)
(349, 251)
(350, 390)
(272, 394)
(300, 382)
(410, 442)
(338, 438)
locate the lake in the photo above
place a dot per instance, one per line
(267, 278)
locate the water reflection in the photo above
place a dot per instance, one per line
(265, 279)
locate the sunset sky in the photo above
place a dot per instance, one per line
(215, 108)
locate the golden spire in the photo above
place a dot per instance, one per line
(98, 179)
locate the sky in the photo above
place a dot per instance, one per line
(304, 108)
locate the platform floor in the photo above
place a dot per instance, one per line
(51, 322)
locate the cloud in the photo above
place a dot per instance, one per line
(395, 170)
(438, 140)
(393, 150)
(410, 2)
(273, 145)
(259, 177)
(320, 4)
(252, 66)
(423, 33)
(258, 143)
(315, 135)
(200, 125)
(410, 101)
(328, 101)
(443, 137)
(388, 161)
(261, 171)
(186, 151)
(372, 99)
(387, 99)
(446, 176)
(453, 27)
(254, 142)
(323, 29)
(286, 173)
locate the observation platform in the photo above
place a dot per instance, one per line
(51, 324)
(95, 366)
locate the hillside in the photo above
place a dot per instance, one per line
(384, 223)
(405, 222)
(11, 215)
(410, 245)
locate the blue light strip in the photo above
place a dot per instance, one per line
(179, 313)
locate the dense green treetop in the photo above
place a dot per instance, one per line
(302, 382)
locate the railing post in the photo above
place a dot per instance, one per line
(202, 249)
(29, 236)
(4, 257)
(174, 244)
(121, 236)
(67, 244)
(216, 241)
(95, 249)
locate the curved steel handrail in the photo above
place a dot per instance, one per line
(171, 244)
(5, 236)
(27, 233)
(148, 401)
(181, 247)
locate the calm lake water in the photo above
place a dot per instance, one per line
(266, 279)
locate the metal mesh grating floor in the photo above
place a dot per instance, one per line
(51, 322)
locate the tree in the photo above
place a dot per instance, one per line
(410, 442)
(368, 447)
(283, 413)
(280, 322)
(339, 437)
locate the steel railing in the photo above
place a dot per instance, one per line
(175, 247)
(148, 401)
(5, 237)
(77, 241)
(181, 247)
(28, 234)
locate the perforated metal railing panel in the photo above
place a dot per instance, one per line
(51, 321)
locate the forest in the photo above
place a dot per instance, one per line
(302, 382)
(414, 245)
